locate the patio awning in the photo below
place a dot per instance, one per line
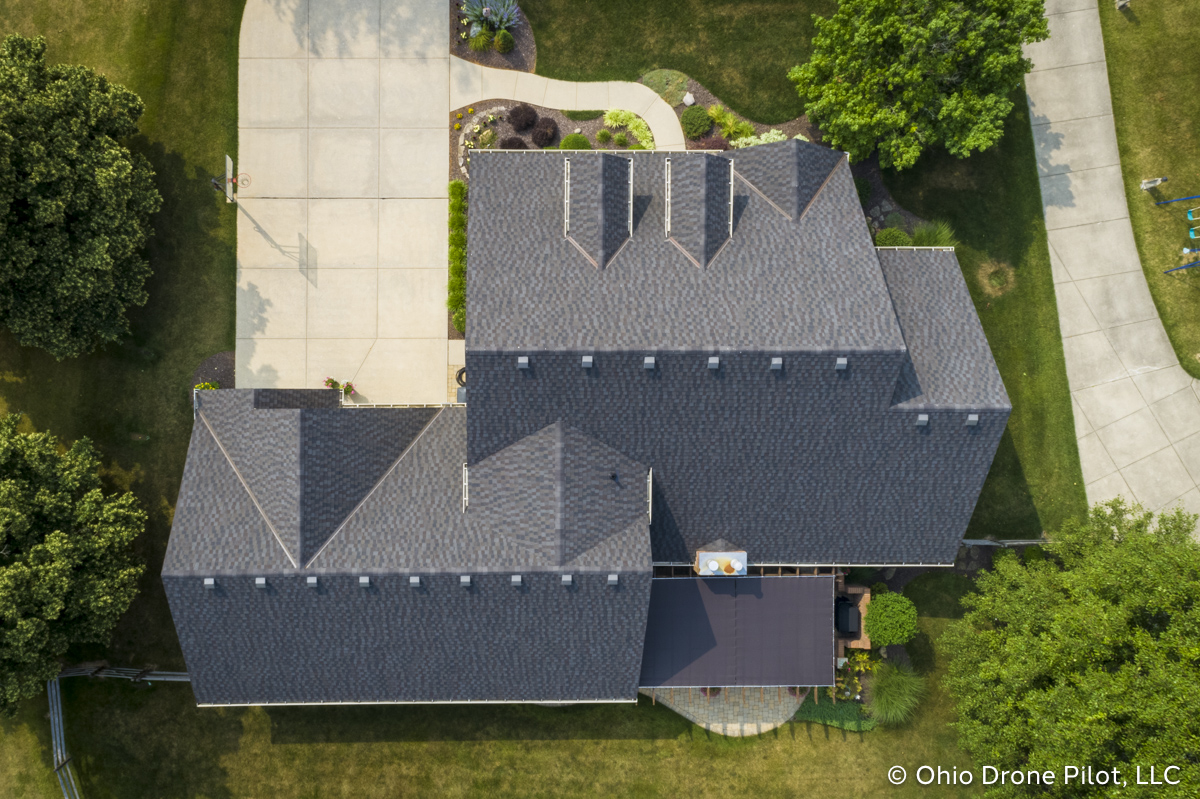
(737, 631)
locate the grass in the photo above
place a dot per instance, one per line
(993, 202)
(740, 50)
(133, 399)
(1157, 108)
(151, 741)
(26, 770)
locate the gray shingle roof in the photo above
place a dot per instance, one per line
(950, 364)
(807, 283)
(541, 641)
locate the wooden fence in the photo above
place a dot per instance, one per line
(62, 761)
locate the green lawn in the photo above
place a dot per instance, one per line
(1154, 75)
(740, 50)
(181, 58)
(993, 201)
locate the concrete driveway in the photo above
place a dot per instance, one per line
(342, 231)
(341, 255)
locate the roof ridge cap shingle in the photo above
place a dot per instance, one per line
(821, 189)
(383, 478)
(246, 487)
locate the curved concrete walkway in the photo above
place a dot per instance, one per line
(1137, 413)
(343, 107)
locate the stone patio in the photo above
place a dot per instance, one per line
(735, 712)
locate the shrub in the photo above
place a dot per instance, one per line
(934, 234)
(583, 116)
(891, 619)
(894, 693)
(487, 138)
(513, 143)
(481, 41)
(505, 42)
(490, 15)
(731, 127)
(456, 287)
(669, 84)
(863, 187)
(637, 126)
(770, 137)
(636, 147)
(695, 122)
(208, 386)
(892, 237)
(459, 320)
(575, 141)
(894, 219)
(545, 132)
(878, 589)
(621, 140)
(604, 135)
(522, 117)
(713, 143)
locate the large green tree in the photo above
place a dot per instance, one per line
(907, 74)
(75, 203)
(1090, 657)
(67, 572)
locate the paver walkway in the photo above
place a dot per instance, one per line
(342, 130)
(1137, 413)
(732, 712)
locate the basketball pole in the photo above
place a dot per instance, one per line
(229, 198)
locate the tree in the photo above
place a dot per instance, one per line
(66, 569)
(908, 74)
(891, 619)
(1088, 657)
(75, 204)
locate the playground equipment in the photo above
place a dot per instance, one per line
(1193, 214)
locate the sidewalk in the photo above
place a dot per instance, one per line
(471, 83)
(1137, 413)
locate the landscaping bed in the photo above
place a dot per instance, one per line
(523, 56)
(565, 124)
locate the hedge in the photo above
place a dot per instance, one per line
(456, 289)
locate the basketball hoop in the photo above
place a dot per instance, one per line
(243, 180)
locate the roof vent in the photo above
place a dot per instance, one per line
(714, 362)
(587, 362)
(922, 419)
(312, 581)
(523, 362)
(567, 579)
(465, 581)
(776, 364)
(516, 580)
(613, 579)
(972, 419)
(364, 581)
(648, 362)
(260, 582)
(414, 581)
(842, 364)
(210, 583)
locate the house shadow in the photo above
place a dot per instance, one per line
(460, 723)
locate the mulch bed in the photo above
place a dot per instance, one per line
(792, 127)
(522, 57)
(500, 108)
(217, 369)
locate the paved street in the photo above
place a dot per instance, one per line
(342, 114)
(1137, 413)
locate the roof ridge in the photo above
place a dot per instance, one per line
(374, 488)
(246, 487)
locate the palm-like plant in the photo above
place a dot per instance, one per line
(490, 15)
(934, 234)
(895, 692)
